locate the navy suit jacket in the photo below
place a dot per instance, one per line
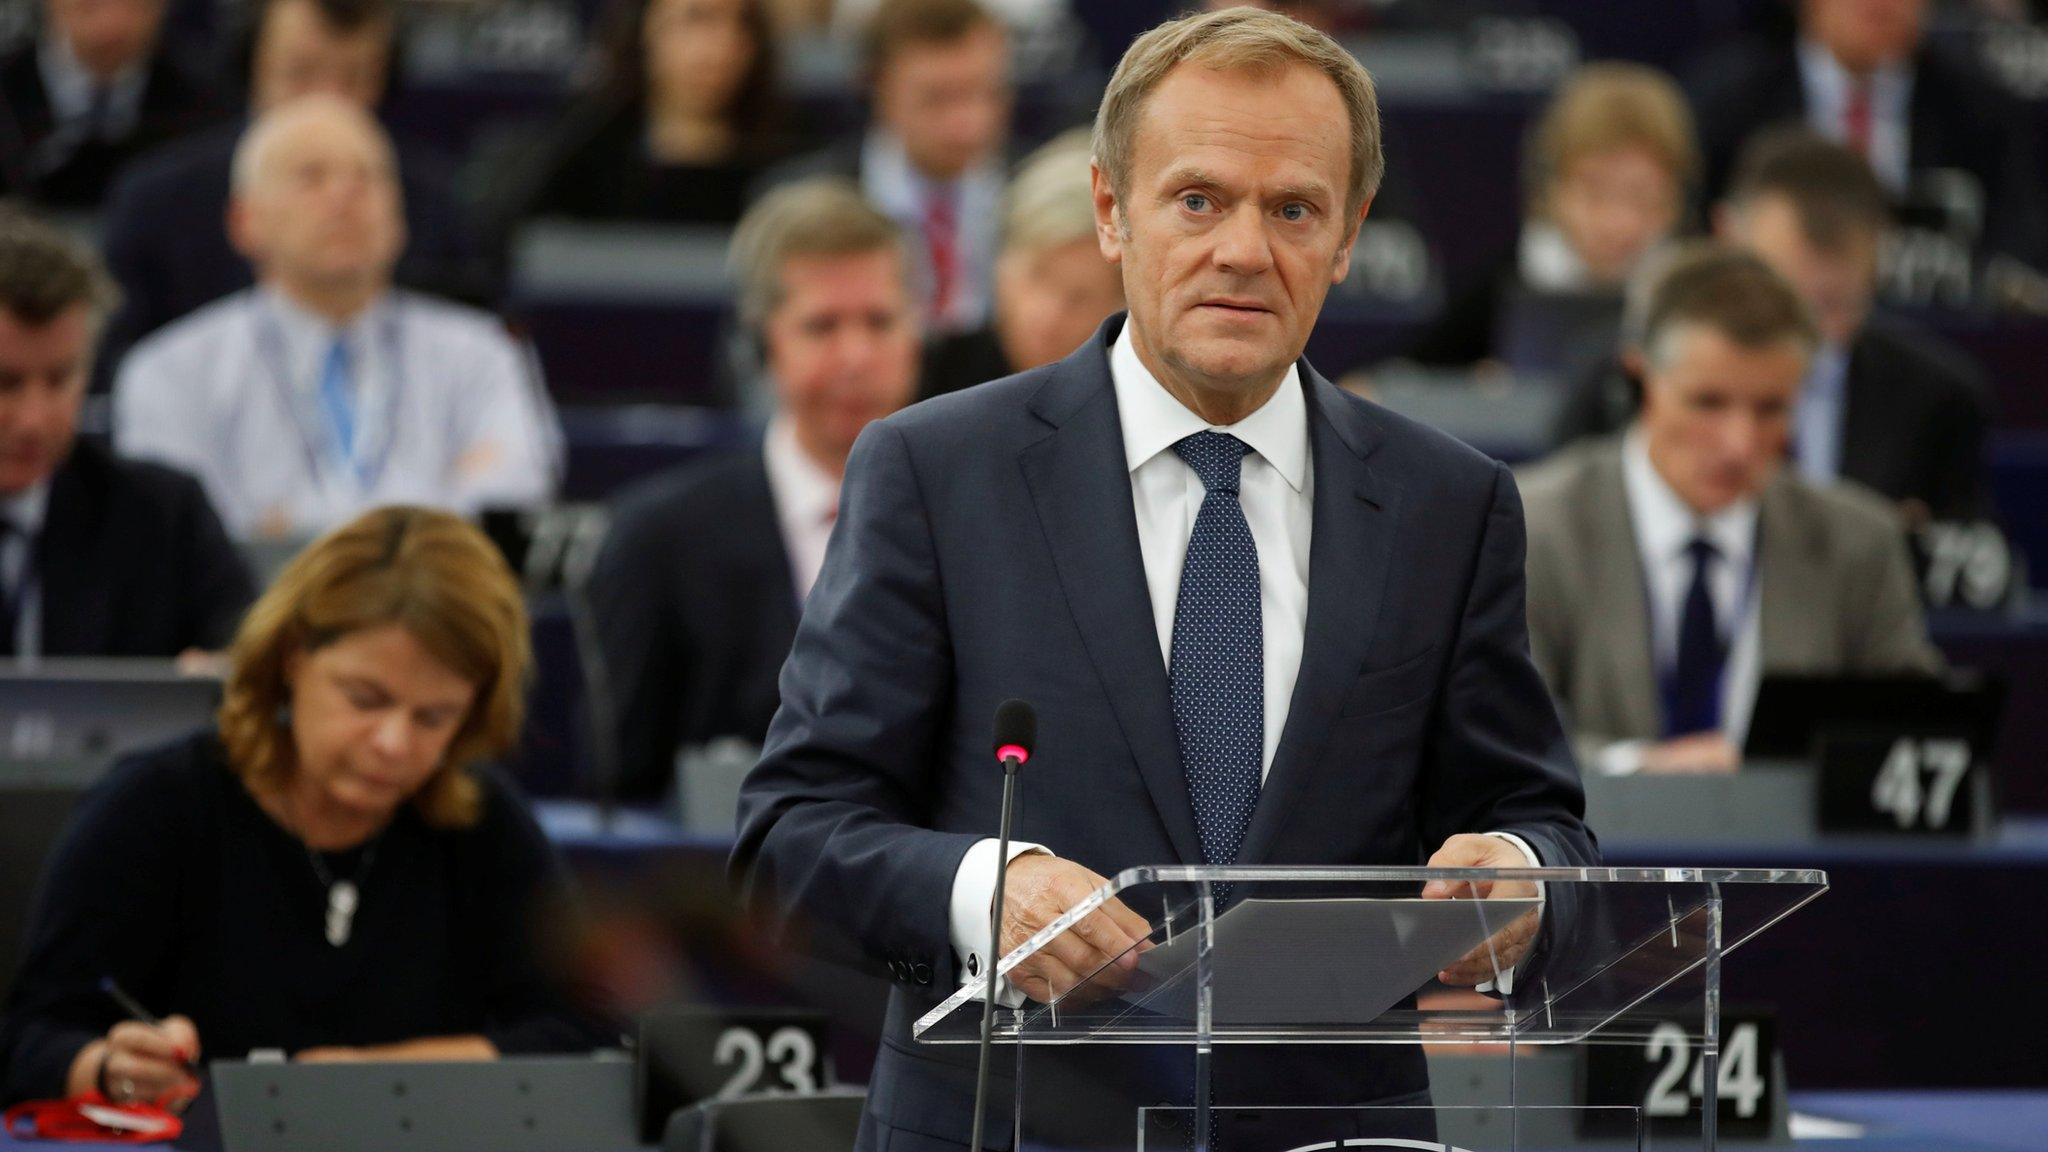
(987, 548)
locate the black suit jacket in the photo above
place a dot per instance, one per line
(175, 101)
(1913, 424)
(133, 562)
(695, 608)
(987, 549)
(1959, 118)
(166, 239)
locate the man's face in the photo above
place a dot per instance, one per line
(948, 101)
(298, 53)
(1233, 227)
(1866, 34)
(1837, 285)
(843, 347)
(1612, 207)
(107, 36)
(1717, 416)
(325, 205)
(43, 372)
(1050, 300)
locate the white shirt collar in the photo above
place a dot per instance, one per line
(302, 325)
(27, 510)
(1827, 83)
(898, 188)
(70, 86)
(805, 494)
(1153, 421)
(1665, 524)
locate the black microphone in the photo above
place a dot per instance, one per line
(1016, 733)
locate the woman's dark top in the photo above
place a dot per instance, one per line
(171, 880)
(962, 360)
(594, 165)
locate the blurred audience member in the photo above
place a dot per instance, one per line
(701, 580)
(166, 232)
(1861, 72)
(1607, 172)
(325, 870)
(686, 119)
(1673, 566)
(938, 75)
(323, 390)
(95, 90)
(98, 556)
(1884, 404)
(1053, 288)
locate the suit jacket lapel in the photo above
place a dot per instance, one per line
(71, 620)
(1619, 641)
(1351, 546)
(1791, 566)
(1080, 482)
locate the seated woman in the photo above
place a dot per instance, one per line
(686, 116)
(327, 871)
(1608, 172)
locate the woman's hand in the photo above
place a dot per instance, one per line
(139, 1063)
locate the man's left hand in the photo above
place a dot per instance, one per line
(1508, 945)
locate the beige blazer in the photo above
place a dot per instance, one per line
(1835, 586)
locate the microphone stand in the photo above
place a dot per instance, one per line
(995, 948)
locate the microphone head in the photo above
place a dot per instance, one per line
(1016, 730)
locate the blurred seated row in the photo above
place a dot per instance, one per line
(1884, 403)
(328, 870)
(325, 390)
(99, 555)
(1673, 566)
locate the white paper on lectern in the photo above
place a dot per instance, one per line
(1323, 961)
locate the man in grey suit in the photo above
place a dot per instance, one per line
(1670, 568)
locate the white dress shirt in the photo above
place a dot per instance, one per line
(1276, 489)
(1823, 400)
(900, 191)
(806, 499)
(1826, 85)
(448, 411)
(26, 511)
(1664, 527)
(71, 88)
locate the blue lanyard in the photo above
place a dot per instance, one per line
(310, 419)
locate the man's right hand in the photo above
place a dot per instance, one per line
(1039, 889)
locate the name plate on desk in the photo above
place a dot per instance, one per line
(1664, 1076)
(1900, 784)
(692, 1054)
(521, 1104)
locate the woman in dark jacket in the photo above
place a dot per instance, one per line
(325, 871)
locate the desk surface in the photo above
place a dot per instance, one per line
(1894, 1122)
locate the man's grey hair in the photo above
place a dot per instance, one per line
(252, 152)
(1050, 202)
(823, 216)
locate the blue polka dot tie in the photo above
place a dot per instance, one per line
(1218, 670)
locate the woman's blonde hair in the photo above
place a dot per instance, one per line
(1606, 107)
(424, 570)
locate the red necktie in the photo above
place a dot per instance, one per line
(941, 239)
(1856, 117)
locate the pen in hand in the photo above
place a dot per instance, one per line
(137, 1012)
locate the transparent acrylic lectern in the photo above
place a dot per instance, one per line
(1287, 1009)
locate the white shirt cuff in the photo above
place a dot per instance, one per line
(1622, 758)
(1507, 979)
(974, 894)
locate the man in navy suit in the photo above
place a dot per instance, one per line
(1262, 621)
